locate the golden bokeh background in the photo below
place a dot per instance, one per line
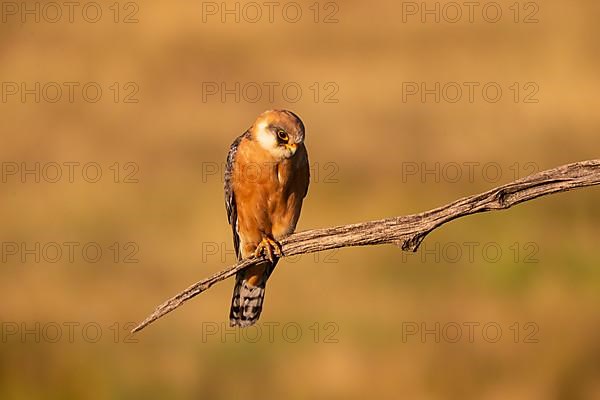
(356, 323)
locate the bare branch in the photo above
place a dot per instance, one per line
(409, 231)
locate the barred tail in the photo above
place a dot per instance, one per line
(247, 300)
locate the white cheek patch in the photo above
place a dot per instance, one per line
(266, 139)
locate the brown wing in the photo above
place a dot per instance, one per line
(230, 204)
(304, 170)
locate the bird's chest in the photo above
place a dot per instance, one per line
(268, 185)
(265, 196)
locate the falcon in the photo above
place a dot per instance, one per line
(266, 179)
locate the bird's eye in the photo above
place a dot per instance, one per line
(282, 135)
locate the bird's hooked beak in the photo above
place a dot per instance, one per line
(291, 147)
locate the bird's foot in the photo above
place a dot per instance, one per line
(270, 248)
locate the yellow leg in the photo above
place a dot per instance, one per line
(268, 247)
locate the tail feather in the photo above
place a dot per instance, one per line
(247, 300)
(246, 304)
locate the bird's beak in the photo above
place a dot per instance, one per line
(291, 147)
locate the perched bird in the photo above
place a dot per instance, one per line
(266, 179)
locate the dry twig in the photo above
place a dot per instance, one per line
(409, 231)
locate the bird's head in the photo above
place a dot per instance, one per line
(280, 132)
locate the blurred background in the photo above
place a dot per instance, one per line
(115, 122)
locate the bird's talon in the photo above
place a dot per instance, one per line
(276, 246)
(270, 248)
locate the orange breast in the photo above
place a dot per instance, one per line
(268, 194)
